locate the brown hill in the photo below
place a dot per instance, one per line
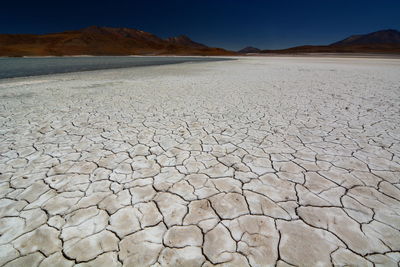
(101, 41)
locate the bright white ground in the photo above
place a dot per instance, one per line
(257, 161)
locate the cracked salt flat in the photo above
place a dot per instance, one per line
(253, 162)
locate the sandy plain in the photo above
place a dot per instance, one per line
(251, 162)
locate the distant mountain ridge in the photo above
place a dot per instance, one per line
(380, 37)
(384, 41)
(95, 40)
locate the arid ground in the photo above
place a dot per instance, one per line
(251, 162)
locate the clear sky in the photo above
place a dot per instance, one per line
(222, 23)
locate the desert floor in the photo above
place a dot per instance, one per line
(255, 161)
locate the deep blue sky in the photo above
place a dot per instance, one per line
(223, 23)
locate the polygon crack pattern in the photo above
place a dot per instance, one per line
(252, 162)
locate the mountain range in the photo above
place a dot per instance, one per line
(96, 40)
(385, 41)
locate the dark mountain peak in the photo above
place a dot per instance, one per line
(389, 36)
(390, 31)
(249, 49)
(384, 41)
(183, 40)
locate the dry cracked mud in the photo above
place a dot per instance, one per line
(251, 162)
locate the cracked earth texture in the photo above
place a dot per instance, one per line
(252, 162)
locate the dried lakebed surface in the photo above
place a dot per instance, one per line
(253, 162)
